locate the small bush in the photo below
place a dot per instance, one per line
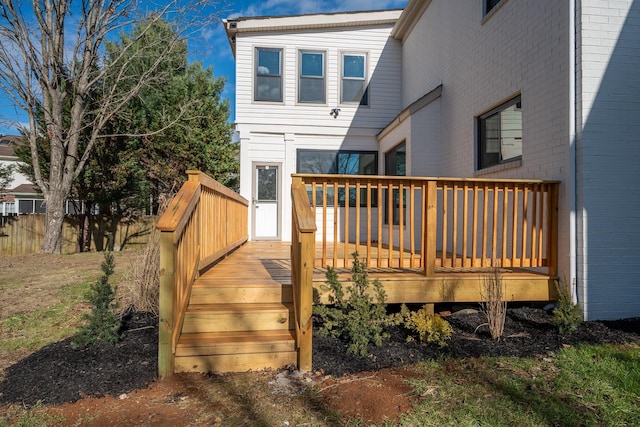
(430, 327)
(355, 316)
(567, 315)
(101, 323)
(494, 305)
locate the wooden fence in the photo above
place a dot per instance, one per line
(24, 234)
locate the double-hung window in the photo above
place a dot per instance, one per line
(500, 134)
(354, 79)
(268, 75)
(311, 80)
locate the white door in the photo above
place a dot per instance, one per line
(266, 206)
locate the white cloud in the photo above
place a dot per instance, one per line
(293, 7)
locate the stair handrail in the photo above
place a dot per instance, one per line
(203, 222)
(302, 263)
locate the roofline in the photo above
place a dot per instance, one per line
(315, 21)
(410, 16)
(416, 106)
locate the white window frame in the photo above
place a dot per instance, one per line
(322, 77)
(365, 99)
(257, 74)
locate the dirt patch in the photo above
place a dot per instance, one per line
(117, 386)
(374, 397)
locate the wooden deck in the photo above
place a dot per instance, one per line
(269, 263)
(231, 305)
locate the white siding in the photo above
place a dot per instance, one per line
(273, 132)
(17, 177)
(608, 158)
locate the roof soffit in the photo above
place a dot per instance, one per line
(409, 18)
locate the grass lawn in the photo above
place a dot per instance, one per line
(42, 302)
(585, 385)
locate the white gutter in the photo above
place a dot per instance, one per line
(573, 207)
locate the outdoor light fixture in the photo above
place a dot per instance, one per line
(334, 112)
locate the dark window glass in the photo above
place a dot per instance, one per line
(341, 163)
(25, 206)
(268, 83)
(395, 164)
(490, 4)
(500, 134)
(354, 88)
(311, 83)
(267, 184)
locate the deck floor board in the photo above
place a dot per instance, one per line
(269, 262)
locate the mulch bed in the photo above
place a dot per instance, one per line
(57, 373)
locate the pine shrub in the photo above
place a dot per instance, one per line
(354, 315)
(567, 315)
(101, 324)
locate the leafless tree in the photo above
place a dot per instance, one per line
(53, 66)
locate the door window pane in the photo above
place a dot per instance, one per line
(267, 184)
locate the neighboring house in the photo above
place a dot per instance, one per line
(531, 89)
(20, 196)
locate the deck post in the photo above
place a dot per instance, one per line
(430, 229)
(302, 264)
(307, 258)
(166, 318)
(552, 232)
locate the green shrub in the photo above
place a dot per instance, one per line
(567, 315)
(101, 323)
(430, 327)
(354, 316)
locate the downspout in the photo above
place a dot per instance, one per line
(573, 205)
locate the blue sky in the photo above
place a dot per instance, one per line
(212, 49)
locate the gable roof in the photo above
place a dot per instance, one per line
(25, 189)
(7, 144)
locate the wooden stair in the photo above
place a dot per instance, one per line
(237, 324)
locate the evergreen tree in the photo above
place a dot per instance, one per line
(101, 324)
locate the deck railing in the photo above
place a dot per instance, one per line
(204, 222)
(302, 262)
(434, 224)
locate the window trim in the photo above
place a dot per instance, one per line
(301, 52)
(256, 61)
(481, 163)
(365, 101)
